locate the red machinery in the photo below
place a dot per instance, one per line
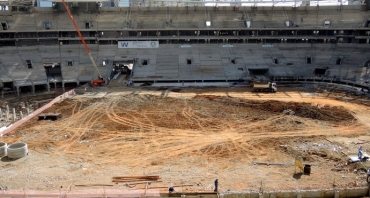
(96, 82)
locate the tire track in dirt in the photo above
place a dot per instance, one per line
(186, 112)
(124, 121)
(88, 121)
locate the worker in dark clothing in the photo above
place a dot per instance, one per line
(171, 189)
(216, 185)
(360, 153)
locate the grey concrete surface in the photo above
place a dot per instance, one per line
(169, 62)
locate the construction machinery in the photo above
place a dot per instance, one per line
(95, 82)
(264, 87)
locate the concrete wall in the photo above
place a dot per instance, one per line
(324, 193)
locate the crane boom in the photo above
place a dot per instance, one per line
(82, 39)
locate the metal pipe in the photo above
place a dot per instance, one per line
(14, 116)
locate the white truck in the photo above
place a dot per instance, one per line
(264, 87)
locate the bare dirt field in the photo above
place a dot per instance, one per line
(193, 136)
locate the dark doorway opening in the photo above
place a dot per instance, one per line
(262, 71)
(70, 85)
(53, 71)
(309, 60)
(188, 61)
(25, 89)
(4, 25)
(8, 85)
(29, 64)
(40, 88)
(320, 72)
(339, 61)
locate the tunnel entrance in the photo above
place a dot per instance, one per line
(259, 73)
(123, 67)
(53, 71)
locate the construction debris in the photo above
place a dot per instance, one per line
(118, 179)
(50, 116)
(90, 185)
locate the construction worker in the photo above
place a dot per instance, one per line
(216, 185)
(360, 153)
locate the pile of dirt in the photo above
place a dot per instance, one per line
(305, 110)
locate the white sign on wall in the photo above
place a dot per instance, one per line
(138, 44)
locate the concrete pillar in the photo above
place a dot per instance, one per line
(18, 91)
(33, 89)
(1, 114)
(14, 116)
(64, 89)
(7, 116)
(336, 194)
(28, 111)
(48, 87)
(21, 114)
(55, 85)
(7, 108)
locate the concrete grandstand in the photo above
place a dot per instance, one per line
(40, 49)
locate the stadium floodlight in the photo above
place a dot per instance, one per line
(208, 23)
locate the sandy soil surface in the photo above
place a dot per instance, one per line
(192, 136)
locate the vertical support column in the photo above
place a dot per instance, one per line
(28, 111)
(336, 193)
(14, 116)
(48, 87)
(1, 114)
(64, 89)
(18, 91)
(33, 89)
(21, 114)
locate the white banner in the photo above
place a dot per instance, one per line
(138, 44)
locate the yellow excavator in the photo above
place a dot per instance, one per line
(95, 82)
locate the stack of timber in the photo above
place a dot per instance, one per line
(126, 179)
(50, 116)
